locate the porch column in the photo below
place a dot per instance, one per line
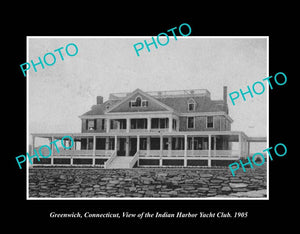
(215, 145)
(106, 143)
(169, 146)
(209, 151)
(107, 125)
(127, 146)
(33, 143)
(248, 142)
(94, 149)
(127, 125)
(138, 143)
(116, 141)
(185, 150)
(148, 124)
(193, 145)
(161, 149)
(240, 145)
(170, 123)
(52, 148)
(148, 146)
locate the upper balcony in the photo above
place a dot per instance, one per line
(142, 125)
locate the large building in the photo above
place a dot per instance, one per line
(153, 129)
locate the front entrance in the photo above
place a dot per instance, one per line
(121, 147)
(132, 146)
(126, 146)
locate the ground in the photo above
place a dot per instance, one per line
(146, 182)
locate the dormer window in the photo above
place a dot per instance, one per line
(138, 102)
(191, 104)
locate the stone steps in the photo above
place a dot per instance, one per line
(120, 162)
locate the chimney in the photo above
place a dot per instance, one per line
(225, 94)
(99, 100)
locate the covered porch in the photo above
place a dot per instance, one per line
(146, 149)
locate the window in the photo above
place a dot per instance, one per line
(144, 103)
(159, 123)
(91, 124)
(138, 124)
(154, 123)
(210, 122)
(191, 122)
(122, 123)
(102, 124)
(191, 105)
(143, 143)
(113, 124)
(174, 124)
(111, 144)
(138, 102)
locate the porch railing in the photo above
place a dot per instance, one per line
(108, 162)
(190, 153)
(103, 153)
(134, 159)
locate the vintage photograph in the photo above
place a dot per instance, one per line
(104, 123)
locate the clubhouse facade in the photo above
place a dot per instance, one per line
(153, 129)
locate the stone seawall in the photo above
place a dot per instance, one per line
(146, 182)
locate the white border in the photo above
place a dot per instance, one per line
(139, 198)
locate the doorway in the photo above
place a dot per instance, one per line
(132, 146)
(121, 147)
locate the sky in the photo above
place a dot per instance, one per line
(58, 94)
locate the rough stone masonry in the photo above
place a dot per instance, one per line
(145, 182)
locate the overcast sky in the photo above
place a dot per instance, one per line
(60, 93)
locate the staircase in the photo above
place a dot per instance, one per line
(120, 162)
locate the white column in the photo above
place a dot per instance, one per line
(215, 145)
(169, 146)
(248, 148)
(116, 141)
(127, 146)
(148, 146)
(107, 125)
(193, 145)
(106, 143)
(148, 124)
(52, 148)
(170, 123)
(240, 144)
(127, 125)
(138, 143)
(161, 150)
(33, 143)
(185, 150)
(209, 150)
(94, 145)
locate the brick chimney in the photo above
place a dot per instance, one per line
(225, 94)
(99, 100)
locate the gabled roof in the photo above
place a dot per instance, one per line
(162, 106)
(203, 103)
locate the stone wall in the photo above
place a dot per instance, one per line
(146, 182)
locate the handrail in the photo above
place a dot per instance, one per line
(112, 157)
(134, 159)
